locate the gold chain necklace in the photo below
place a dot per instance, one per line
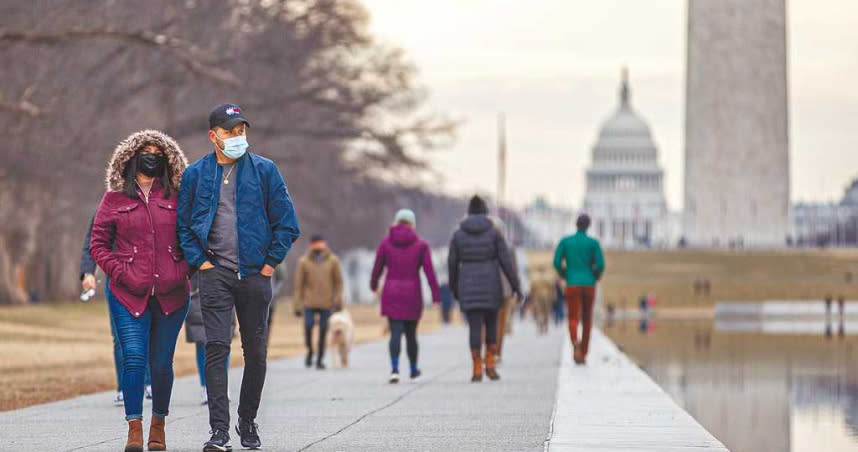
(226, 178)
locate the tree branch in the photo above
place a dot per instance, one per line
(181, 50)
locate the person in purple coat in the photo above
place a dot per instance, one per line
(403, 253)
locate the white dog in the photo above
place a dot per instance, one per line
(341, 335)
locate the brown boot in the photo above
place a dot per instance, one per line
(157, 436)
(491, 354)
(580, 357)
(135, 436)
(478, 366)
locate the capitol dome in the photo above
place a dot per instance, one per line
(625, 128)
(625, 195)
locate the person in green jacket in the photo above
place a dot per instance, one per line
(578, 259)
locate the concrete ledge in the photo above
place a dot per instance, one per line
(612, 405)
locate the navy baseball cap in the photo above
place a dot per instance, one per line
(227, 116)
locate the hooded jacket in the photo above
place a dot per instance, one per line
(147, 260)
(267, 224)
(403, 253)
(319, 281)
(478, 253)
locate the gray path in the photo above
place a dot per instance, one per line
(336, 410)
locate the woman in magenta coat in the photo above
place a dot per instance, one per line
(134, 241)
(403, 253)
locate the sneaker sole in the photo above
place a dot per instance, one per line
(213, 448)
(245, 446)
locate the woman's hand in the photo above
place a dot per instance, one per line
(206, 265)
(267, 271)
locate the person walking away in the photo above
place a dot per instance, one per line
(541, 296)
(578, 258)
(236, 224)
(87, 283)
(509, 300)
(318, 292)
(195, 333)
(477, 249)
(403, 253)
(559, 300)
(148, 297)
(446, 303)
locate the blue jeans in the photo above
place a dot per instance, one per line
(150, 338)
(201, 362)
(117, 348)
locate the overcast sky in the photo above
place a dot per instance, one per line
(553, 67)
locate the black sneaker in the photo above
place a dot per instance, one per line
(320, 365)
(308, 361)
(218, 443)
(248, 431)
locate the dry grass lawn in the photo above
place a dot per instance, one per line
(734, 275)
(57, 351)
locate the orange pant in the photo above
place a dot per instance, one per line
(579, 303)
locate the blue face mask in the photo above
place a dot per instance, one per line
(235, 147)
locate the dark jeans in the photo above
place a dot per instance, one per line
(309, 323)
(397, 327)
(117, 348)
(221, 291)
(201, 362)
(477, 318)
(149, 338)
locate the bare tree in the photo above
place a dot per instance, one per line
(330, 104)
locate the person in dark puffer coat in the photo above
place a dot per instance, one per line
(477, 249)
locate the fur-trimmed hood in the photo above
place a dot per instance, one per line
(176, 161)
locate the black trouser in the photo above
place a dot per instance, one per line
(476, 319)
(309, 322)
(220, 291)
(397, 327)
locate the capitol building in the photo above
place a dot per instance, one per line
(625, 194)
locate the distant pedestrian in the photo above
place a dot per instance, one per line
(88, 284)
(478, 254)
(447, 302)
(559, 302)
(318, 292)
(148, 274)
(402, 253)
(541, 296)
(579, 259)
(508, 303)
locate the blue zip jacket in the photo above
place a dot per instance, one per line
(267, 224)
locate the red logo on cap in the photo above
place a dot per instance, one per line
(233, 111)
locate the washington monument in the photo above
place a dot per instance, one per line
(736, 124)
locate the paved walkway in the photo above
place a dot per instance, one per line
(542, 403)
(341, 410)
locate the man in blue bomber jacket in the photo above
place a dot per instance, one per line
(236, 222)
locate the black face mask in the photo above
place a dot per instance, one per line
(151, 165)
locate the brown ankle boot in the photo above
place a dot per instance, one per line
(157, 435)
(478, 366)
(579, 356)
(135, 436)
(491, 354)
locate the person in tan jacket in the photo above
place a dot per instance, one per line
(318, 291)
